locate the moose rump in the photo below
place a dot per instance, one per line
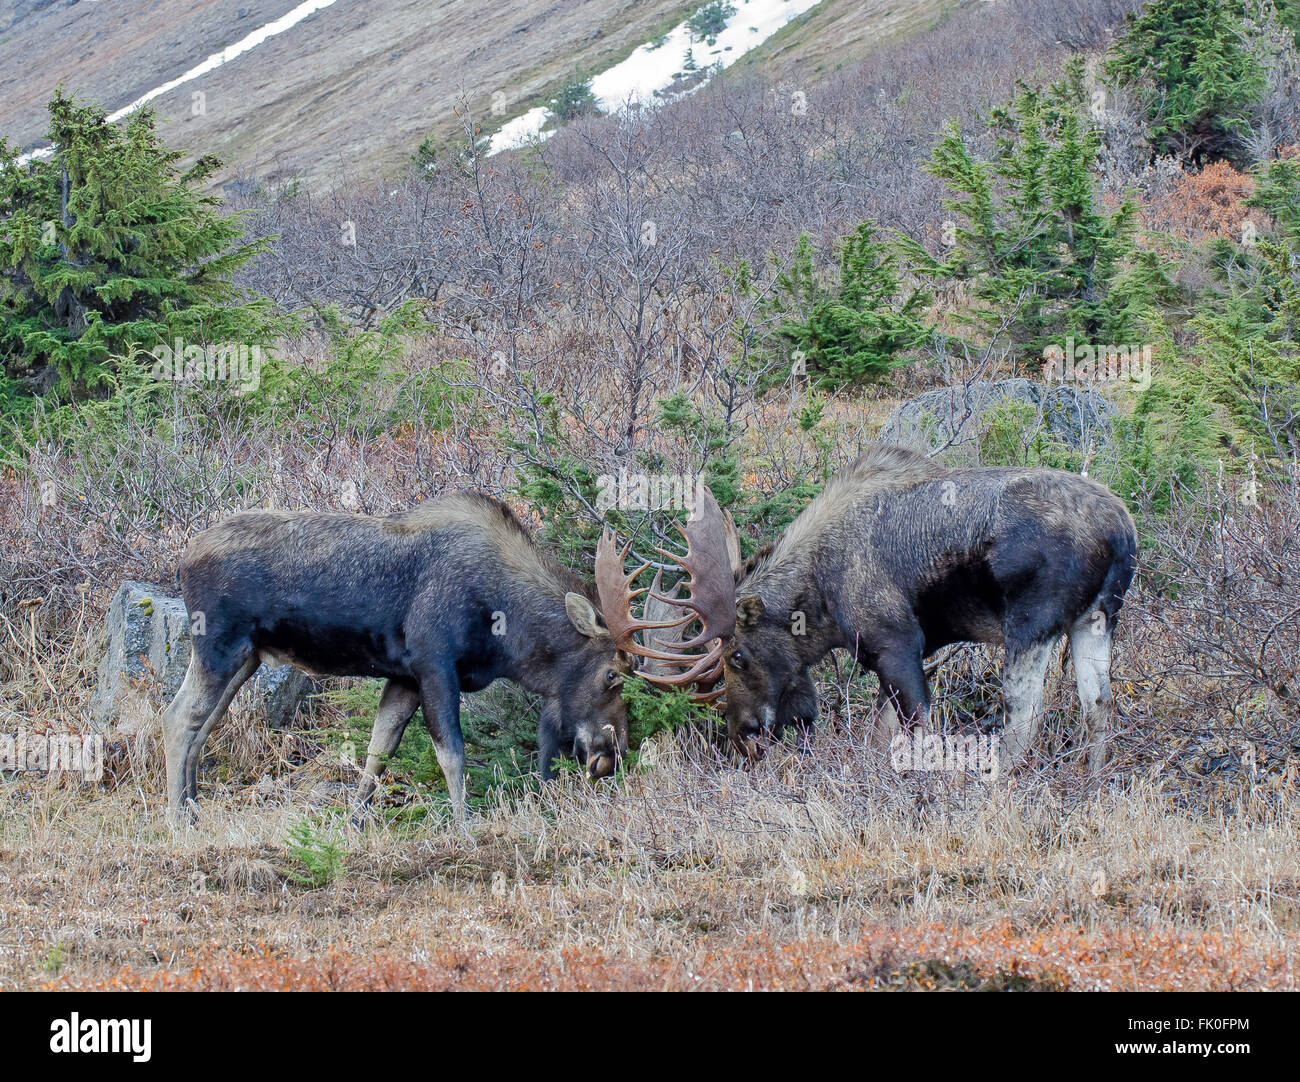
(439, 600)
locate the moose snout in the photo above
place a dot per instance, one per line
(603, 754)
(749, 738)
(601, 765)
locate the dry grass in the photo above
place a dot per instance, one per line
(839, 32)
(822, 871)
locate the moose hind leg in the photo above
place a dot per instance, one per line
(203, 699)
(397, 704)
(1090, 640)
(1022, 687)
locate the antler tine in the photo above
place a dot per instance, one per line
(661, 607)
(707, 668)
(708, 561)
(614, 589)
(712, 551)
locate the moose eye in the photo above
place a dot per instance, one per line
(611, 678)
(738, 659)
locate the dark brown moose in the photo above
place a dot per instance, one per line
(900, 556)
(445, 598)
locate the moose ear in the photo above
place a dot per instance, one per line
(583, 616)
(749, 610)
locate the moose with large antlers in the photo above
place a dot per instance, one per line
(442, 599)
(896, 558)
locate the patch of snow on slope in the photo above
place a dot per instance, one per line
(249, 41)
(646, 77)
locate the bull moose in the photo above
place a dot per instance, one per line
(899, 556)
(437, 600)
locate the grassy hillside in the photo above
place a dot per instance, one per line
(349, 91)
(838, 32)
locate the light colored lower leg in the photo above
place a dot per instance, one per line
(181, 723)
(440, 701)
(887, 723)
(452, 761)
(201, 702)
(1090, 651)
(1022, 687)
(396, 705)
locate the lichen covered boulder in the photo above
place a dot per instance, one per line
(147, 642)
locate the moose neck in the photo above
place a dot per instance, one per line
(792, 597)
(536, 658)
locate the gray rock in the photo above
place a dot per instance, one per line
(281, 689)
(953, 417)
(147, 646)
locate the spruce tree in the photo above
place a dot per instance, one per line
(1248, 343)
(106, 246)
(1028, 236)
(1288, 14)
(1200, 76)
(854, 330)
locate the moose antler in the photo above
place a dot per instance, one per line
(665, 608)
(711, 599)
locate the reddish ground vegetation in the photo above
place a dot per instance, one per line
(1205, 204)
(928, 957)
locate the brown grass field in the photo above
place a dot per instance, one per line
(827, 872)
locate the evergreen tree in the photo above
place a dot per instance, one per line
(855, 330)
(1192, 57)
(1029, 238)
(105, 246)
(1249, 348)
(574, 98)
(1288, 14)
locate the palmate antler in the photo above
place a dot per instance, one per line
(710, 555)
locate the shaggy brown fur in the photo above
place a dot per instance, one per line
(900, 555)
(438, 600)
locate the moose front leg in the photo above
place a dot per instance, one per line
(440, 697)
(397, 704)
(548, 742)
(904, 699)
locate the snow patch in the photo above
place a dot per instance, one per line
(250, 41)
(646, 77)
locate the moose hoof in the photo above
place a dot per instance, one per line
(185, 814)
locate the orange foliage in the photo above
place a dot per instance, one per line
(1209, 203)
(932, 956)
